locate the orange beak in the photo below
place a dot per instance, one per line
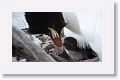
(55, 37)
(57, 41)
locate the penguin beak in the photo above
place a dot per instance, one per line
(55, 37)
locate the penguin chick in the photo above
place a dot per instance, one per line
(76, 53)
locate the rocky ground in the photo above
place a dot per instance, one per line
(47, 45)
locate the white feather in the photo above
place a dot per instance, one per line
(18, 20)
(85, 28)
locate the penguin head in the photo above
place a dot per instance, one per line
(70, 43)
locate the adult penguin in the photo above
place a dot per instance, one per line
(86, 29)
(50, 23)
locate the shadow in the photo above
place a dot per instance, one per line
(56, 75)
(115, 38)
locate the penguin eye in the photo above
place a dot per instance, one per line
(64, 44)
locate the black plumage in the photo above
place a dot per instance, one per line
(40, 21)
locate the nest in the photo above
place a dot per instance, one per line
(46, 43)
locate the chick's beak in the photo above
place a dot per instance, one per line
(55, 37)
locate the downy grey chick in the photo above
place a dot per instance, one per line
(76, 53)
